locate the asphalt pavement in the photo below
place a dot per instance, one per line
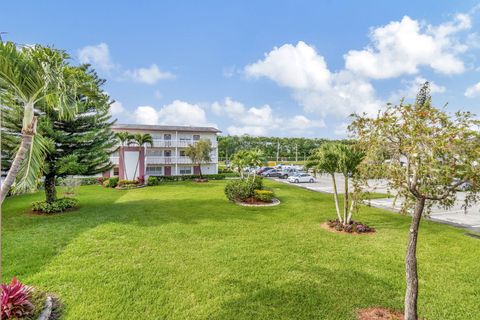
(456, 215)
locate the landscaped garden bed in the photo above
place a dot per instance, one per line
(250, 192)
(379, 314)
(353, 227)
(57, 206)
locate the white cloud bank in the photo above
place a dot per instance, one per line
(473, 91)
(176, 113)
(260, 121)
(99, 57)
(96, 55)
(397, 49)
(150, 75)
(401, 47)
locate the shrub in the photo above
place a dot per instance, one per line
(242, 189)
(155, 180)
(264, 195)
(101, 180)
(59, 205)
(88, 181)
(111, 182)
(15, 300)
(123, 183)
(152, 181)
(352, 227)
(70, 186)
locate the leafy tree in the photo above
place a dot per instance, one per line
(124, 138)
(240, 161)
(199, 153)
(30, 76)
(255, 159)
(141, 139)
(331, 158)
(430, 154)
(82, 144)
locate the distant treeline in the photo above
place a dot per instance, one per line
(290, 149)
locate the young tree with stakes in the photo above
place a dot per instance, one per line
(426, 155)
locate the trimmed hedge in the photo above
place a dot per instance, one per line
(153, 180)
(59, 205)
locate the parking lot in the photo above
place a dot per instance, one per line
(456, 216)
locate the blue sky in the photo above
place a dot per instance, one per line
(283, 68)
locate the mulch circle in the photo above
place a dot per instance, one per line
(328, 228)
(379, 314)
(252, 202)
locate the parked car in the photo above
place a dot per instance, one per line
(272, 173)
(301, 177)
(288, 172)
(263, 169)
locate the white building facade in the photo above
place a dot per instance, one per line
(167, 155)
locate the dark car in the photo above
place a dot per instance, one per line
(263, 169)
(272, 173)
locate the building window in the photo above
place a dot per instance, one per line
(182, 153)
(154, 152)
(116, 171)
(167, 153)
(154, 170)
(185, 170)
(196, 137)
(167, 136)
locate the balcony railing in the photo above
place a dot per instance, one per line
(172, 160)
(160, 143)
(114, 159)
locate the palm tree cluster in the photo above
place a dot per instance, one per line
(138, 139)
(332, 158)
(247, 158)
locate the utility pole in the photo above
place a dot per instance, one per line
(278, 149)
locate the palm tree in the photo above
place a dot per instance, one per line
(337, 157)
(141, 139)
(255, 159)
(28, 76)
(124, 138)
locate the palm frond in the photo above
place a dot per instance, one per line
(32, 167)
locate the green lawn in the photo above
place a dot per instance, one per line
(181, 251)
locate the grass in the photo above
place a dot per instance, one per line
(181, 251)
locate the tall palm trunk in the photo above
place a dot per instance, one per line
(50, 189)
(345, 199)
(335, 196)
(411, 294)
(27, 137)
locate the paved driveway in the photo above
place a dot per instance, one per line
(454, 216)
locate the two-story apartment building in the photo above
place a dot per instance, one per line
(167, 155)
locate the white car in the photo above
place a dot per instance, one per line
(301, 177)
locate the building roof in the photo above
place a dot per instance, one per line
(163, 128)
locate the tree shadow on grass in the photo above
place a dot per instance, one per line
(335, 294)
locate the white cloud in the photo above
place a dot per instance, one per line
(314, 87)
(258, 121)
(96, 55)
(176, 113)
(150, 75)
(473, 91)
(411, 89)
(146, 115)
(116, 108)
(297, 67)
(401, 47)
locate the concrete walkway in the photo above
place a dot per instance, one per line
(454, 216)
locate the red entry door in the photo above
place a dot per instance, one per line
(168, 171)
(196, 170)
